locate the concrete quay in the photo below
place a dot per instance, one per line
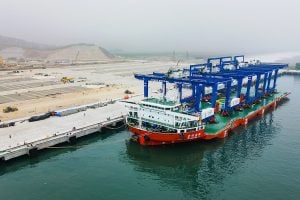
(26, 138)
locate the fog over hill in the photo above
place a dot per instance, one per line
(21, 49)
(6, 42)
(82, 52)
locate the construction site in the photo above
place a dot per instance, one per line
(36, 78)
(41, 90)
(83, 94)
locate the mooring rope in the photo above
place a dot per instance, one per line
(65, 147)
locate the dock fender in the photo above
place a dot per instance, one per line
(231, 126)
(182, 136)
(146, 138)
(33, 151)
(141, 140)
(135, 137)
(246, 121)
(72, 139)
(226, 133)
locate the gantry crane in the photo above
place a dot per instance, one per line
(221, 82)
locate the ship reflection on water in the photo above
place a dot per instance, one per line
(197, 167)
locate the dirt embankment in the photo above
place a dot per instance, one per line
(42, 105)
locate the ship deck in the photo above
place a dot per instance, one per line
(212, 129)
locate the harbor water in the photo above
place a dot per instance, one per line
(259, 161)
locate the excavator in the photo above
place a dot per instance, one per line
(67, 79)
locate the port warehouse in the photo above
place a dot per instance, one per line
(210, 88)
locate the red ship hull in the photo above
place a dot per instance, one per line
(145, 137)
(156, 138)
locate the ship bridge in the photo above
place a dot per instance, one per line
(159, 104)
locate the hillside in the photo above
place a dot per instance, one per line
(11, 48)
(80, 53)
(6, 42)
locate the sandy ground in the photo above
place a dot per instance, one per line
(29, 92)
(46, 104)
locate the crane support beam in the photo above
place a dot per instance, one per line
(179, 85)
(198, 97)
(257, 86)
(266, 74)
(146, 87)
(164, 89)
(275, 79)
(214, 95)
(249, 83)
(269, 82)
(239, 87)
(227, 96)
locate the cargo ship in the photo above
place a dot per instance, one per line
(204, 101)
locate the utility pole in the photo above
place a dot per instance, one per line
(173, 56)
(187, 55)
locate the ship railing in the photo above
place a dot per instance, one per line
(171, 125)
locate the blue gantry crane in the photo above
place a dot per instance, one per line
(239, 75)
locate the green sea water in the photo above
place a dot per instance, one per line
(260, 161)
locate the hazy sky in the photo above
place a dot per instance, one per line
(157, 25)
